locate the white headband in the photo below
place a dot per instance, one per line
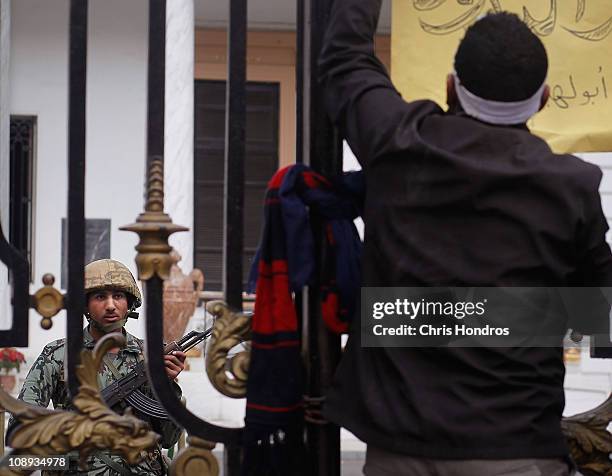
(498, 112)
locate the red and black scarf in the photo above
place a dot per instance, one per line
(285, 263)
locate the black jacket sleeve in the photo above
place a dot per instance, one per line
(359, 95)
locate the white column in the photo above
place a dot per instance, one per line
(178, 170)
(5, 23)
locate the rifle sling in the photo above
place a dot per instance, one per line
(109, 363)
(108, 461)
(113, 393)
(111, 367)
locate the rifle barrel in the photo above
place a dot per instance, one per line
(186, 337)
(121, 388)
(196, 339)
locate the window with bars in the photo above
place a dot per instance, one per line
(261, 162)
(22, 140)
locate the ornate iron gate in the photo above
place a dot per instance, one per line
(318, 145)
(315, 139)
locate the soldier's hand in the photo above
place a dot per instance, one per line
(175, 363)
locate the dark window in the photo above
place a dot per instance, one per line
(21, 184)
(261, 163)
(97, 243)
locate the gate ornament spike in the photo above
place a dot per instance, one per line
(91, 427)
(154, 227)
(230, 329)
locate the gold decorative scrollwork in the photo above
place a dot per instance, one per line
(589, 440)
(230, 329)
(92, 427)
(47, 301)
(195, 460)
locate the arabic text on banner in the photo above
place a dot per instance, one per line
(577, 35)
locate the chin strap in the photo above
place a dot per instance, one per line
(113, 326)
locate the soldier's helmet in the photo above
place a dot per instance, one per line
(111, 274)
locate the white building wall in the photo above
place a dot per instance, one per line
(267, 14)
(5, 24)
(179, 145)
(116, 117)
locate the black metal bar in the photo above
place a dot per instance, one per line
(322, 150)
(235, 137)
(301, 299)
(18, 268)
(299, 78)
(235, 149)
(325, 145)
(76, 188)
(153, 287)
(232, 460)
(156, 90)
(162, 385)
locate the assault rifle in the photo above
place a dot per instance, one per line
(127, 388)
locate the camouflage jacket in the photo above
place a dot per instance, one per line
(45, 383)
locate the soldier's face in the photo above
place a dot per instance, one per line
(107, 307)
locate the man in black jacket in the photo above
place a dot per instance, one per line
(467, 197)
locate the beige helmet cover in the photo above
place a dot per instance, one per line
(111, 274)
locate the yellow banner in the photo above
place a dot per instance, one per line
(577, 35)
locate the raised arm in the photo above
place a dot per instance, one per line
(359, 95)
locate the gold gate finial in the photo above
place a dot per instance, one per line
(154, 227)
(195, 460)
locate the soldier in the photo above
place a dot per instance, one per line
(112, 296)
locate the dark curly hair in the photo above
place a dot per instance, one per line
(501, 59)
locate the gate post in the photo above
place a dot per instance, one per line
(235, 153)
(76, 188)
(320, 147)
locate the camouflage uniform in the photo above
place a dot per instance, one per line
(45, 382)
